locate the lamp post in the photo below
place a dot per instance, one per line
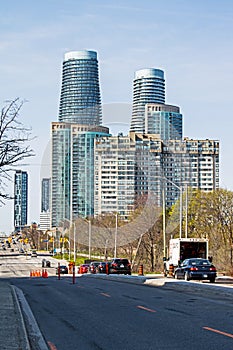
(89, 231)
(115, 249)
(181, 209)
(74, 237)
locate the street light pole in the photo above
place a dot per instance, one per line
(181, 204)
(186, 210)
(115, 250)
(164, 225)
(74, 242)
(74, 237)
(89, 229)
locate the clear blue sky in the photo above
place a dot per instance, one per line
(192, 41)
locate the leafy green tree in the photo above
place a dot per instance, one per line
(210, 215)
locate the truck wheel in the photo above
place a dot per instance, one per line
(186, 276)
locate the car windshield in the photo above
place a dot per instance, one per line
(199, 262)
(122, 261)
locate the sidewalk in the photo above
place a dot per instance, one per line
(13, 335)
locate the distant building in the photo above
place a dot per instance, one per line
(20, 199)
(73, 170)
(45, 221)
(164, 120)
(80, 100)
(45, 194)
(114, 187)
(148, 87)
(128, 168)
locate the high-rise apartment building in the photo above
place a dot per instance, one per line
(192, 163)
(164, 120)
(73, 170)
(20, 199)
(94, 172)
(45, 214)
(45, 220)
(45, 194)
(148, 87)
(114, 175)
(80, 100)
(80, 118)
(129, 168)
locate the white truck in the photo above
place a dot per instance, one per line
(184, 248)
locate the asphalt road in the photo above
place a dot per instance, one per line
(105, 314)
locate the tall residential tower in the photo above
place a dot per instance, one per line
(80, 100)
(20, 199)
(80, 119)
(148, 87)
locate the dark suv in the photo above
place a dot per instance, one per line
(120, 266)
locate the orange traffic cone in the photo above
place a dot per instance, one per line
(46, 274)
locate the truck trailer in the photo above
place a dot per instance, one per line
(184, 248)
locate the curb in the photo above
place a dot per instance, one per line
(23, 336)
(29, 320)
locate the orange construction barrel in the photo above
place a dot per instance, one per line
(140, 270)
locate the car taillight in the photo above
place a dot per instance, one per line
(114, 264)
(212, 269)
(193, 268)
(129, 264)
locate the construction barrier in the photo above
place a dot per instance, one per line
(38, 273)
(70, 266)
(45, 274)
(140, 270)
(171, 270)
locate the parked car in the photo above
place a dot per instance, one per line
(196, 269)
(101, 268)
(118, 265)
(63, 269)
(93, 266)
(34, 254)
(83, 268)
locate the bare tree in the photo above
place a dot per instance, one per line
(14, 147)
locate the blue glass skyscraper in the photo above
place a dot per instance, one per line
(80, 100)
(148, 87)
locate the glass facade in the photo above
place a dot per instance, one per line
(73, 170)
(45, 194)
(20, 199)
(164, 120)
(148, 87)
(80, 100)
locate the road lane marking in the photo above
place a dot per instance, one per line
(52, 346)
(145, 308)
(219, 332)
(106, 295)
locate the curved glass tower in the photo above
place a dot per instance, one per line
(80, 100)
(148, 87)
